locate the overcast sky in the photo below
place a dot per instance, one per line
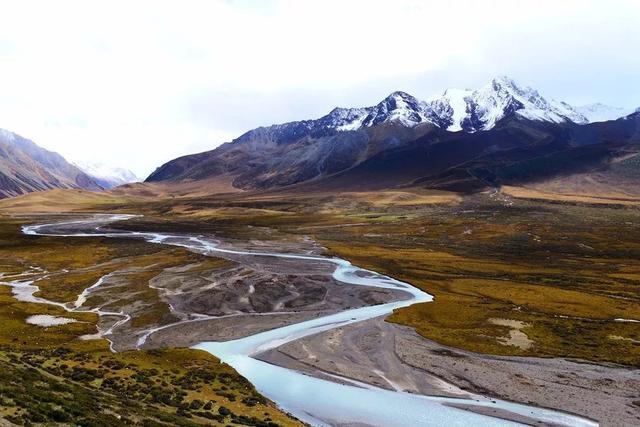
(137, 83)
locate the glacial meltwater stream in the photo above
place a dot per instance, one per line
(318, 401)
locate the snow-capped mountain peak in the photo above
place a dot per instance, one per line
(503, 82)
(503, 96)
(459, 110)
(345, 118)
(398, 107)
(399, 100)
(107, 176)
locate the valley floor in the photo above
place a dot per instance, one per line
(535, 301)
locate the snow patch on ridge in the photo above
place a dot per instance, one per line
(6, 135)
(599, 112)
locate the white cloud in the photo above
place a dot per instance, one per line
(137, 83)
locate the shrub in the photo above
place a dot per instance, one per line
(195, 404)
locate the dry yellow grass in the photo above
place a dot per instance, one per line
(380, 199)
(613, 198)
(57, 201)
(130, 197)
(559, 322)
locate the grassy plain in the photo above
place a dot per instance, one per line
(558, 271)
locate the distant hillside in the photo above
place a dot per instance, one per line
(25, 167)
(107, 176)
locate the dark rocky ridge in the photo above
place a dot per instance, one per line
(391, 154)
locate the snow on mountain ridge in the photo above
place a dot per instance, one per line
(398, 107)
(481, 109)
(345, 119)
(7, 135)
(464, 109)
(599, 112)
(455, 110)
(451, 107)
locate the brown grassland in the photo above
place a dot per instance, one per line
(561, 270)
(567, 271)
(49, 376)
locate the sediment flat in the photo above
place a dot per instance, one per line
(397, 358)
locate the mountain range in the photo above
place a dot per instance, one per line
(461, 140)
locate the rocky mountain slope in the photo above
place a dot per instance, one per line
(346, 138)
(26, 167)
(516, 152)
